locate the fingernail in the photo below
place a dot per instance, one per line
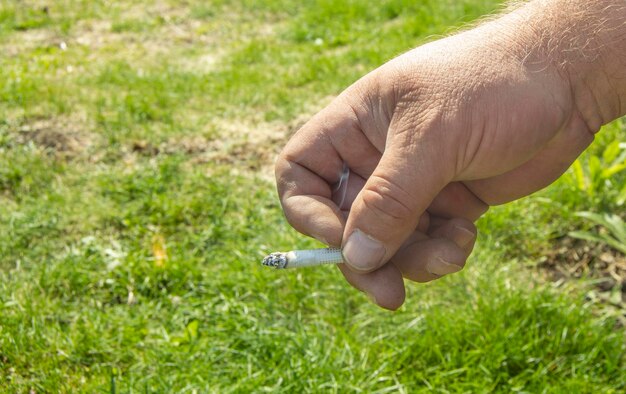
(462, 236)
(442, 267)
(362, 252)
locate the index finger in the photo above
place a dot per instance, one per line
(312, 162)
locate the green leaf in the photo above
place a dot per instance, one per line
(586, 236)
(594, 217)
(192, 330)
(595, 173)
(617, 227)
(579, 175)
(622, 157)
(615, 224)
(621, 197)
(609, 172)
(603, 239)
(611, 152)
(178, 340)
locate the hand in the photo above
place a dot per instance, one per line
(446, 129)
(440, 245)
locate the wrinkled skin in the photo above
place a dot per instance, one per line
(432, 139)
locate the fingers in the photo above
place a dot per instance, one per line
(330, 139)
(385, 286)
(313, 161)
(430, 259)
(420, 259)
(409, 175)
(457, 201)
(307, 204)
(458, 230)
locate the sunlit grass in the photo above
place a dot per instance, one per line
(130, 260)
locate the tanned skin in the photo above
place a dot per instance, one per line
(437, 135)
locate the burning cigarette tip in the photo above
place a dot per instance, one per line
(303, 258)
(276, 260)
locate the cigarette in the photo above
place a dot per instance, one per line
(303, 258)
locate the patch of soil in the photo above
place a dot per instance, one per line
(574, 259)
(243, 154)
(250, 155)
(55, 138)
(144, 148)
(247, 146)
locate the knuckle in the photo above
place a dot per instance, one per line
(387, 200)
(280, 167)
(291, 215)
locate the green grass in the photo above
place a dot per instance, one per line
(129, 262)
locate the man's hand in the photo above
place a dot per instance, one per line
(436, 135)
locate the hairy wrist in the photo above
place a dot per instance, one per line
(585, 41)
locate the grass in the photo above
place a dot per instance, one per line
(129, 253)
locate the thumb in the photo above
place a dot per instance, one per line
(411, 172)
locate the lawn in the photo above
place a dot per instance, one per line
(137, 199)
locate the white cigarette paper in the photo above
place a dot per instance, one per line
(303, 258)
